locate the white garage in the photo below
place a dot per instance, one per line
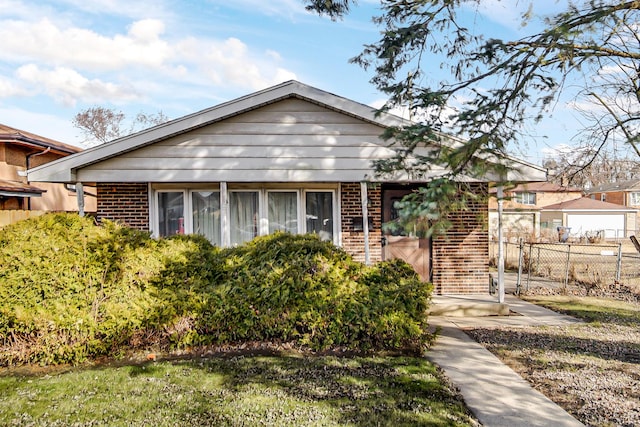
(612, 225)
(586, 217)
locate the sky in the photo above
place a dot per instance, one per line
(58, 58)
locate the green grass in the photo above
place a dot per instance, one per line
(592, 309)
(234, 391)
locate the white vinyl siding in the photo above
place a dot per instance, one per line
(288, 141)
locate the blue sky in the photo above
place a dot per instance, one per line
(180, 56)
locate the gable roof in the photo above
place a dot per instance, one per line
(630, 185)
(20, 137)
(270, 168)
(586, 204)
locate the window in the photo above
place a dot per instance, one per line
(634, 199)
(206, 215)
(319, 213)
(249, 212)
(244, 216)
(171, 213)
(526, 198)
(282, 209)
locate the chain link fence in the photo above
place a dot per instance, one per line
(571, 264)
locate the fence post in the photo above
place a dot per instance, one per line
(566, 272)
(530, 261)
(520, 258)
(619, 263)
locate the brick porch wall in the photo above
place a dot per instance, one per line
(127, 203)
(461, 257)
(351, 208)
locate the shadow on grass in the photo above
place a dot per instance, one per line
(252, 390)
(528, 341)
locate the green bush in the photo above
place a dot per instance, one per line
(72, 290)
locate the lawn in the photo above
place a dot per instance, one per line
(590, 369)
(233, 391)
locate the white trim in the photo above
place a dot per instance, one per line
(224, 215)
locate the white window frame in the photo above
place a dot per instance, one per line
(520, 195)
(634, 198)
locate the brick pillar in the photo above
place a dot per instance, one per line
(461, 257)
(351, 215)
(127, 203)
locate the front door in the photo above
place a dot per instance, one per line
(416, 251)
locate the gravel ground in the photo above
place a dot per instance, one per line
(592, 370)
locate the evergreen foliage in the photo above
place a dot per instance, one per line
(72, 290)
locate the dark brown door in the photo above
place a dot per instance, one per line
(414, 250)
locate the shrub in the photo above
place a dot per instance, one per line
(73, 290)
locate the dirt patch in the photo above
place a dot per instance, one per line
(592, 370)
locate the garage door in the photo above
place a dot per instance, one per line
(612, 224)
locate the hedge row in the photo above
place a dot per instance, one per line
(72, 290)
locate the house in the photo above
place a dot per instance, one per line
(290, 157)
(625, 193)
(588, 218)
(19, 151)
(522, 206)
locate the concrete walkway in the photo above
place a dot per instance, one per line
(495, 394)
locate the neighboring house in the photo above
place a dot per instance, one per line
(19, 151)
(625, 193)
(588, 218)
(522, 205)
(290, 157)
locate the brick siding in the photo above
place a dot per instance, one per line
(127, 203)
(461, 257)
(351, 215)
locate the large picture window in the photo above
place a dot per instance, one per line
(246, 214)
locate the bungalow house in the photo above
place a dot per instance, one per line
(290, 157)
(19, 198)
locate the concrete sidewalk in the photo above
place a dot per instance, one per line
(495, 394)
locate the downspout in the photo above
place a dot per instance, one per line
(500, 195)
(80, 198)
(365, 220)
(28, 164)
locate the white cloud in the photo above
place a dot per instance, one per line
(68, 86)
(10, 88)
(76, 64)
(230, 62)
(79, 47)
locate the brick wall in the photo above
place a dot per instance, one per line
(127, 203)
(351, 214)
(461, 257)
